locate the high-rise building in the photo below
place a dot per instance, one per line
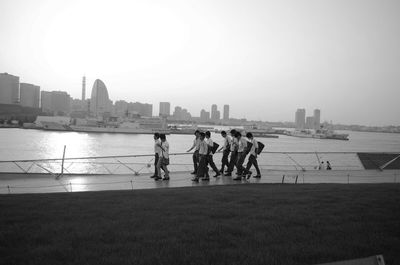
(60, 103)
(226, 112)
(310, 122)
(99, 100)
(204, 115)
(177, 113)
(215, 114)
(300, 119)
(45, 101)
(83, 88)
(9, 89)
(165, 109)
(29, 95)
(56, 102)
(317, 119)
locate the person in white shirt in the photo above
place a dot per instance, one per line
(226, 148)
(242, 147)
(253, 157)
(210, 160)
(234, 153)
(195, 156)
(202, 171)
(163, 161)
(157, 152)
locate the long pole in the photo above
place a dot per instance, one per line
(62, 162)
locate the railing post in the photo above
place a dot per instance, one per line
(8, 187)
(348, 178)
(62, 162)
(283, 179)
(296, 179)
(70, 186)
(132, 184)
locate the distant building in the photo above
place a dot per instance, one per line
(83, 88)
(317, 119)
(300, 118)
(215, 114)
(181, 114)
(99, 100)
(125, 109)
(165, 109)
(56, 102)
(60, 103)
(45, 101)
(310, 122)
(29, 95)
(9, 89)
(204, 116)
(226, 112)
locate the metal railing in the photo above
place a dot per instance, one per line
(67, 174)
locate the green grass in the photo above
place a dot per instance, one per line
(244, 224)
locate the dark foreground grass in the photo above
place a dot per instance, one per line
(246, 224)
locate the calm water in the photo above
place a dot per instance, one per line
(36, 144)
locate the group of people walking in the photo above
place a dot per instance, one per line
(234, 152)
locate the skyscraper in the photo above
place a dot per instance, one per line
(300, 119)
(9, 89)
(83, 88)
(99, 100)
(310, 122)
(45, 101)
(317, 119)
(55, 102)
(226, 112)
(165, 109)
(215, 114)
(204, 115)
(29, 95)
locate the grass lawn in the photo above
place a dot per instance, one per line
(240, 224)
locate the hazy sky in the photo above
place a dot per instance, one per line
(264, 58)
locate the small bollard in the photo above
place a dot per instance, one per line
(348, 178)
(9, 191)
(70, 186)
(283, 179)
(132, 184)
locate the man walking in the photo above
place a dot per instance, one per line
(202, 171)
(210, 160)
(195, 156)
(163, 161)
(253, 157)
(242, 147)
(157, 152)
(226, 148)
(234, 153)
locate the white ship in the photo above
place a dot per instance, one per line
(318, 134)
(138, 126)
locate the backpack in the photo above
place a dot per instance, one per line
(260, 147)
(214, 148)
(248, 148)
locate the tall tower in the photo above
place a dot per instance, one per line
(226, 112)
(317, 119)
(83, 87)
(300, 118)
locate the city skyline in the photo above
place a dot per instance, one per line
(116, 107)
(242, 54)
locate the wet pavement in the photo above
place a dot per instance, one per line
(46, 183)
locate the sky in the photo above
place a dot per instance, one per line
(263, 58)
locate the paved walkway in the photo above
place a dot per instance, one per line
(44, 183)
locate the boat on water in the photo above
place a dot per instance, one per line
(138, 126)
(318, 134)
